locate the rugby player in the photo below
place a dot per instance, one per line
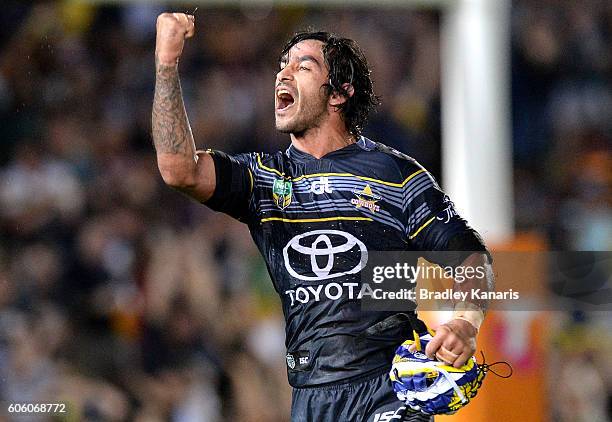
(314, 212)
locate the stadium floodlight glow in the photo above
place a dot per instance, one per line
(475, 58)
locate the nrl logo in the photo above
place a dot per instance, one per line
(281, 193)
(366, 199)
(290, 361)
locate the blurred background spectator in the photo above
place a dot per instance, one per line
(131, 302)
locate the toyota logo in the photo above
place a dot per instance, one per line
(312, 256)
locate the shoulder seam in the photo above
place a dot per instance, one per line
(407, 167)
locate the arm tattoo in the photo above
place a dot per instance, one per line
(171, 131)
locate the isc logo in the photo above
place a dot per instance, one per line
(390, 415)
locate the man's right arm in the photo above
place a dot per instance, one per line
(181, 166)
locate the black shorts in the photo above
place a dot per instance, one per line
(370, 400)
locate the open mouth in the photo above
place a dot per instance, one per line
(284, 100)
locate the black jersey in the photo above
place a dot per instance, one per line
(314, 221)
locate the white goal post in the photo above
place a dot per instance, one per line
(475, 75)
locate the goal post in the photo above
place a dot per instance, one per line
(476, 144)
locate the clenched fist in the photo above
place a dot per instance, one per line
(172, 31)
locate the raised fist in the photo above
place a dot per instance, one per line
(172, 31)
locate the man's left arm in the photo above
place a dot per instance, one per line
(455, 341)
(435, 227)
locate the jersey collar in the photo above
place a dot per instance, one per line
(362, 143)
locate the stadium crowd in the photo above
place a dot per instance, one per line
(128, 301)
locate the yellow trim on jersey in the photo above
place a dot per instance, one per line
(313, 220)
(412, 176)
(427, 223)
(260, 164)
(369, 179)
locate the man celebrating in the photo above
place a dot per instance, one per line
(315, 211)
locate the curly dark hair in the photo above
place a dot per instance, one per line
(347, 64)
